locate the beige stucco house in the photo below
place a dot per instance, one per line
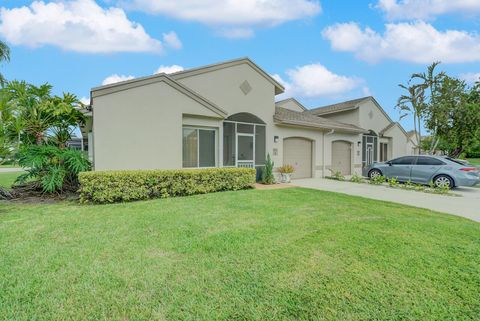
(225, 115)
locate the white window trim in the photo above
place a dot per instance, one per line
(197, 128)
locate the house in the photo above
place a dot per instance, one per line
(225, 115)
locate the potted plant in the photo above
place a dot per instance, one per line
(286, 172)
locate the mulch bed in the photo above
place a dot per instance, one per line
(31, 193)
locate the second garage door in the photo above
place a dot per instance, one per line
(298, 152)
(342, 157)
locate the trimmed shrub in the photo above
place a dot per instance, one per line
(124, 186)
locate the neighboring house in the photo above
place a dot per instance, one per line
(384, 139)
(225, 115)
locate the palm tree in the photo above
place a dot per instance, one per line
(431, 81)
(413, 103)
(4, 56)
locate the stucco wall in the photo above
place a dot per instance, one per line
(398, 142)
(141, 128)
(349, 116)
(371, 117)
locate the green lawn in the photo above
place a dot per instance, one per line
(474, 161)
(7, 179)
(291, 254)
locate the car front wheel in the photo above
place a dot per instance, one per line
(374, 173)
(443, 181)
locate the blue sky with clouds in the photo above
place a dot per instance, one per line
(323, 51)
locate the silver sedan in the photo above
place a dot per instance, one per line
(442, 171)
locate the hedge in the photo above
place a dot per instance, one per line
(124, 186)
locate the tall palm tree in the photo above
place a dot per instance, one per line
(4, 56)
(413, 103)
(431, 81)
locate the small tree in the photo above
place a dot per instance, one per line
(267, 175)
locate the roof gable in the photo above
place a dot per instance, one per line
(226, 64)
(129, 84)
(390, 127)
(282, 103)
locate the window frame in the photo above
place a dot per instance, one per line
(197, 129)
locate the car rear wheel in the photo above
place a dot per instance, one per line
(443, 181)
(374, 173)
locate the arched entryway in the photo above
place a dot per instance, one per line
(342, 157)
(244, 141)
(297, 151)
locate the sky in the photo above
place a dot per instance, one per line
(323, 51)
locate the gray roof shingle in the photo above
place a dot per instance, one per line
(306, 119)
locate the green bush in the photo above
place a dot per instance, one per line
(53, 168)
(377, 180)
(393, 182)
(123, 186)
(356, 178)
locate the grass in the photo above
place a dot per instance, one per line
(474, 161)
(291, 254)
(8, 178)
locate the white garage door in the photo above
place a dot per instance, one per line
(342, 157)
(298, 152)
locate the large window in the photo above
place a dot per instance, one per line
(199, 147)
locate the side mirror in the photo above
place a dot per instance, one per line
(389, 163)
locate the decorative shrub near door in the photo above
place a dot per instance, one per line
(123, 186)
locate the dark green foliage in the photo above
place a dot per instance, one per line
(122, 186)
(55, 169)
(267, 175)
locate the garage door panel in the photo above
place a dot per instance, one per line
(342, 157)
(298, 153)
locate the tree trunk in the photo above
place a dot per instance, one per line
(38, 138)
(456, 152)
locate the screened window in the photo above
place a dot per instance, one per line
(423, 160)
(199, 147)
(407, 160)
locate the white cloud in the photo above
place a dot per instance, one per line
(426, 9)
(168, 69)
(315, 80)
(77, 25)
(417, 42)
(243, 14)
(470, 77)
(171, 40)
(115, 78)
(85, 100)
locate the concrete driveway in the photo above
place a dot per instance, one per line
(468, 205)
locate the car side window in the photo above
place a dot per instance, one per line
(430, 161)
(407, 160)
